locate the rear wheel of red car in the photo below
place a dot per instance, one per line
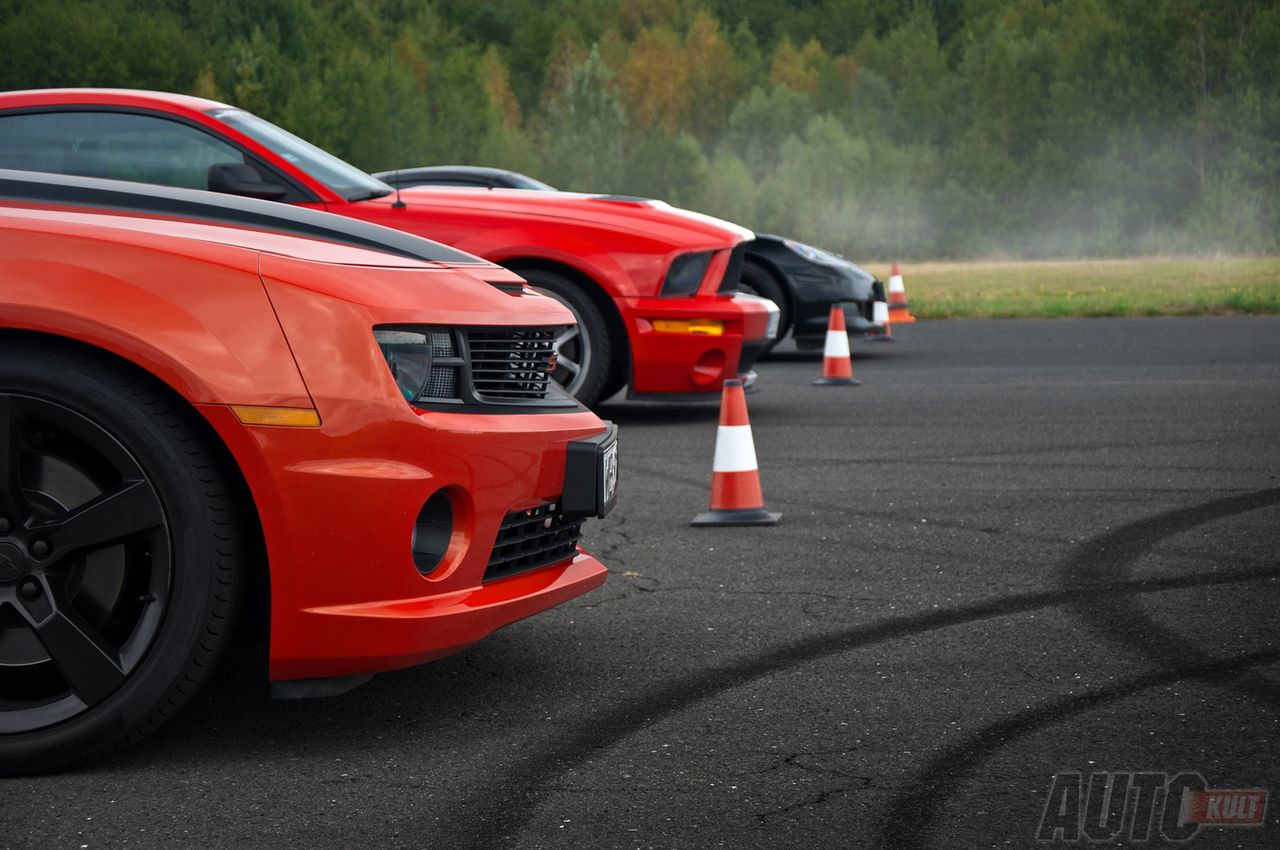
(584, 354)
(759, 281)
(120, 550)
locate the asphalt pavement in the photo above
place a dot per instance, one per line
(1019, 549)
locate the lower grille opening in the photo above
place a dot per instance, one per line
(533, 538)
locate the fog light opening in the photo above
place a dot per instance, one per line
(433, 532)
(709, 368)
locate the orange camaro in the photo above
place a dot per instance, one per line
(206, 398)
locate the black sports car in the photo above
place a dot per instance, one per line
(802, 280)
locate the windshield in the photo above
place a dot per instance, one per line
(347, 180)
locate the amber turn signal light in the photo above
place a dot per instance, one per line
(291, 417)
(701, 327)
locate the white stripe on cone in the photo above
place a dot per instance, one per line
(735, 450)
(879, 315)
(895, 284)
(837, 344)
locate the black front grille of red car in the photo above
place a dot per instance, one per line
(532, 538)
(733, 271)
(492, 370)
(511, 364)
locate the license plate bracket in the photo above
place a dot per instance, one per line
(591, 475)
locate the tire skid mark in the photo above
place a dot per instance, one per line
(496, 818)
(1121, 620)
(1104, 561)
(911, 814)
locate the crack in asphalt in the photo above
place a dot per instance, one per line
(609, 550)
(495, 819)
(596, 603)
(762, 818)
(785, 760)
(470, 662)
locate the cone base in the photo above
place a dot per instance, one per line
(736, 516)
(837, 382)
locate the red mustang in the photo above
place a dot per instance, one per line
(317, 417)
(653, 288)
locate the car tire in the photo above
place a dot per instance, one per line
(126, 534)
(617, 380)
(760, 281)
(585, 354)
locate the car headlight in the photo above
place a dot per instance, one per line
(411, 355)
(685, 274)
(815, 255)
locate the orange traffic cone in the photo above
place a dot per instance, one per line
(898, 297)
(837, 366)
(736, 498)
(880, 317)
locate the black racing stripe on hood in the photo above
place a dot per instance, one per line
(211, 207)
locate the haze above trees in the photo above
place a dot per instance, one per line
(878, 128)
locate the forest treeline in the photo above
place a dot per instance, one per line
(879, 128)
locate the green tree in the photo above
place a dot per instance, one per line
(584, 129)
(672, 168)
(762, 122)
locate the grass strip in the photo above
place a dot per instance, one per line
(1148, 286)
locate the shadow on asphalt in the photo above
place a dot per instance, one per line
(235, 720)
(653, 413)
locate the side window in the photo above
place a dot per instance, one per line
(116, 145)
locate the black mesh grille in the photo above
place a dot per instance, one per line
(530, 539)
(442, 344)
(733, 271)
(442, 383)
(511, 364)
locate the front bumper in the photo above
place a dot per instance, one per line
(858, 319)
(339, 504)
(815, 293)
(694, 364)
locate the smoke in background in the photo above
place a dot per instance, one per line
(877, 128)
(1036, 129)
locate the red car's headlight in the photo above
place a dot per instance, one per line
(424, 362)
(685, 274)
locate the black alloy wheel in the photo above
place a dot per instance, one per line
(112, 513)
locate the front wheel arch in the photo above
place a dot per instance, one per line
(779, 280)
(121, 644)
(257, 610)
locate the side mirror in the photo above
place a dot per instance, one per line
(236, 178)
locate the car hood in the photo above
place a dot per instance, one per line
(642, 216)
(847, 267)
